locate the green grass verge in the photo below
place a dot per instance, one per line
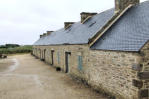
(21, 49)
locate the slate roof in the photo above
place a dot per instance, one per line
(78, 33)
(129, 33)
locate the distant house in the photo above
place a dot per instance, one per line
(109, 50)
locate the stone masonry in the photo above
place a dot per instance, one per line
(114, 72)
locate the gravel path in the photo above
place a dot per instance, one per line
(24, 77)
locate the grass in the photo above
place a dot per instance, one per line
(21, 49)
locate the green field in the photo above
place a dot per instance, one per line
(21, 49)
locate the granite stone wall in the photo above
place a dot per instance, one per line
(113, 72)
(143, 74)
(77, 59)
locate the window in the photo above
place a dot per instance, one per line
(92, 24)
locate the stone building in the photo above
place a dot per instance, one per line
(109, 50)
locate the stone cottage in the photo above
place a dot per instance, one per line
(109, 50)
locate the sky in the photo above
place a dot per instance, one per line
(22, 21)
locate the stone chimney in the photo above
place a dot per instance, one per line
(41, 36)
(122, 4)
(85, 15)
(68, 24)
(49, 32)
(44, 34)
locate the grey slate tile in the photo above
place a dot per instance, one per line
(78, 33)
(129, 33)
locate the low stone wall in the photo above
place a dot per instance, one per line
(108, 71)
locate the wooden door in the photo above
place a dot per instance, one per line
(67, 54)
(52, 57)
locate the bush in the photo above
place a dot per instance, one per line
(12, 45)
(21, 49)
(9, 46)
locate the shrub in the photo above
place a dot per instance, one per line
(21, 49)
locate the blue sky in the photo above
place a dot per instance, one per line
(22, 21)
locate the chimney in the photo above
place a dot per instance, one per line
(68, 24)
(85, 15)
(41, 36)
(49, 32)
(44, 34)
(122, 4)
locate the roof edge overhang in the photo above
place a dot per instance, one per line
(116, 50)
(61, 44)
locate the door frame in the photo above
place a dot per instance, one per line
(67, 54)
(40, 56)
(44, 54)
(52, 57)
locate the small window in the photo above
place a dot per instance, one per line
(92, 24)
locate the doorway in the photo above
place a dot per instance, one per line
(44, 54)
(67, 54)
(40, 55)
(52, 57)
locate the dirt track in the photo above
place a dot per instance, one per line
(24, 77)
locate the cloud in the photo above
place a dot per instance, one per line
(22, 21)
